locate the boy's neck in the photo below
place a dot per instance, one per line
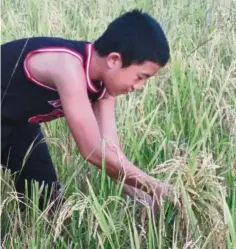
(96, 66)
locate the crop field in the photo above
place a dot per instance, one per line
(181, 128)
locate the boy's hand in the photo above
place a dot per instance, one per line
(163, 192)
(140, 196)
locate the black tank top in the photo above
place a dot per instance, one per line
(24, 99)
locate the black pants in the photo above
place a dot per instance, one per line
(26, 154)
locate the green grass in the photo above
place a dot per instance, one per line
(181, 127)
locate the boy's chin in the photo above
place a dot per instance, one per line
(113, 94)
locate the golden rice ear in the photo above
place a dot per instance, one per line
(197, 190)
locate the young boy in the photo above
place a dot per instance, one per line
(46, 78)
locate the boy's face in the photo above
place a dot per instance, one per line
(120, 80)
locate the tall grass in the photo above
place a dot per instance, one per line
(181, 127)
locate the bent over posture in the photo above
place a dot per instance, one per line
(44, 78)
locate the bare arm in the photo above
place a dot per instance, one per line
(104, 111)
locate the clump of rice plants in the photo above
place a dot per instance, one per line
(201, 194)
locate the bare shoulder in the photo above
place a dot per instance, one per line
(48, 66)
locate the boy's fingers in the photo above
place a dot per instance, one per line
(163, 191)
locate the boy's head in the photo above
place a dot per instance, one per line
(134, 47)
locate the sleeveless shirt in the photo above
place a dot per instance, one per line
(24, 99)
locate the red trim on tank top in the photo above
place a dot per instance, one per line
(91, 86)
(102, 93)
(32, 78)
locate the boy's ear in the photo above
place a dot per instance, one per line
(114, 60)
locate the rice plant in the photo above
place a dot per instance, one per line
(180, 128)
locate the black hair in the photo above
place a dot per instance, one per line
(137, 37)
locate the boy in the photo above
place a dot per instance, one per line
(45, 78)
